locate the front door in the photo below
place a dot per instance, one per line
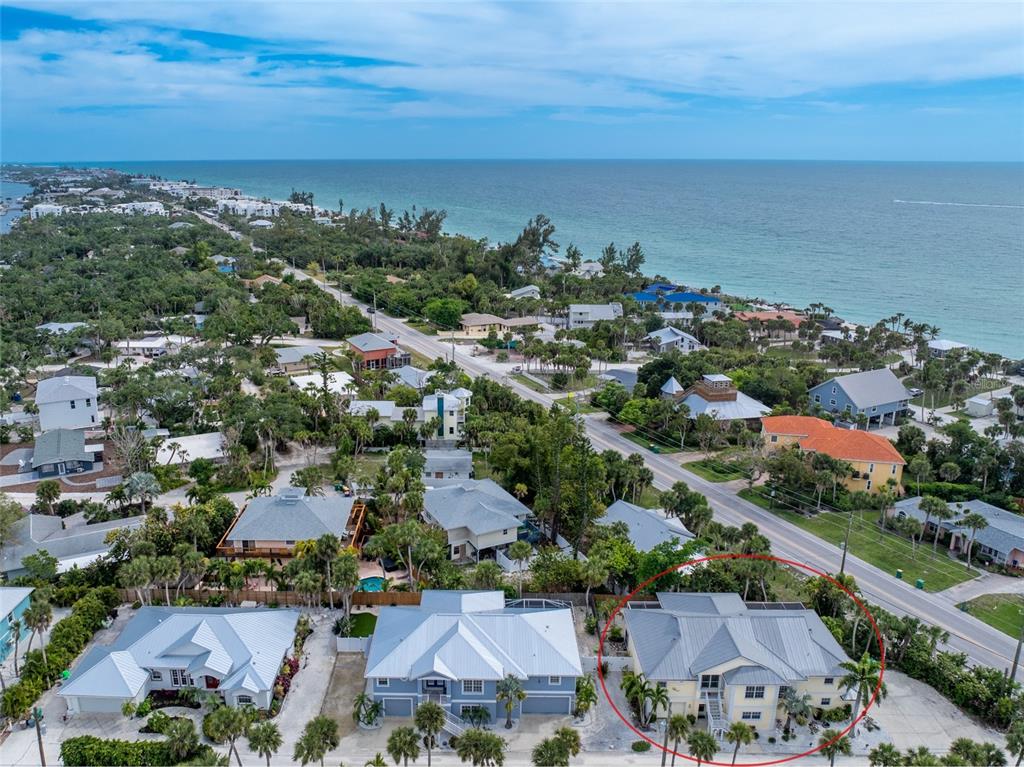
(435, 686)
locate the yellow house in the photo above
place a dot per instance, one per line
(724, 662)
(873, 458)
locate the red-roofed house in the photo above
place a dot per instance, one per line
(874, 458)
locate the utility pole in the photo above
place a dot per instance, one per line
(1016, 656)
(664, 751)
(373, 314)
(846, 543)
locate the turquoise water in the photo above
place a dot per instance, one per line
(943, 243)
(371, 584)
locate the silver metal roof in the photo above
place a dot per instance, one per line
(647, 527)
(65, 388)
(292, 516)
(60, 445)
(289, 355)
(870, 387)
(416, 642)
(480, 505)
(370, 342)
(11, 597)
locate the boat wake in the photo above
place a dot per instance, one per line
(958, 204)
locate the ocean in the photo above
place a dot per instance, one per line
(943, 243)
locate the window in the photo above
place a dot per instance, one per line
(783, 689)
(554, 680)
(775, 438)
(88, 402)
(831, 402)
(156, 676)
(383, 682)
(830, 680)
(833, 390)
(754, 691)
(504, 532)
(868, 487)
(467, 708)
(181, 678)
(871, 468)
(72, 404)
(451, 429)
(826, 701)
(243, 700)
(817, 399)
(751, 716)
(874, 410)
(893, 469)
(473, 687)
(709, 681)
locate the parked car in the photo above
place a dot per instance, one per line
(916, 392)
(517, 369)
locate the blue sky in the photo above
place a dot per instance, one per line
(91, 81)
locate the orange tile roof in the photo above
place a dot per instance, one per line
(852, 445)
(794, 425)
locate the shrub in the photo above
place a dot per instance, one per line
(559, 381)
(771, 738)
(615, 633)
(90, 751)
(641, 746)
(590, 624)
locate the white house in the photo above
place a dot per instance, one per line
(67, 402)
(143, 208)
(527, 291)
(669, 337)
(585, 315)
(478, 515)
(339, 382)
(450, 408)
(153, 346)
(45, 209)
(234, 652)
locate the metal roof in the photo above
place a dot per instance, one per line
(34, 532)
(489, 644)
(742, 408)
(1005, 529)
(65, 388)
(289, 355)
(242, 647)
(291, 516)
(869, 388)
(412, 376)
(647, 527)
(370, 342)
(448, 460)
(58, 446)
(672, 386)
(11, 597)
(679, 643)
(480, 505)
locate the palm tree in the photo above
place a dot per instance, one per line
(657, 696)
(319, 737)
(885, 755)
(16, 627)
(519, 552)
(865, 675)
(38, 617)
(325, 549)
(549, 753)
(307, 583)
(678, 727)
(481, 749)
(510, 691)
(226, 724)
(974, 522)
(166, 570)
(403, 745)
(377, 761)
(586, 694)
(142, 485)
(702, 746)
(741, 734)
(832, 743)
(795, 706)
(265, 739)
(595, 573)
(429, 720)
(182, 740)
(1015, 741)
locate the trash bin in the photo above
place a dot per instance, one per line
(920, 583)
(899, 574)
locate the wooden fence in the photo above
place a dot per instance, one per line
(282, 598)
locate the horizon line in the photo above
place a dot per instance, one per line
(516, 159)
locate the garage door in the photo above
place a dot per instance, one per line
(554, 704)
(397, 707)
(100, 705)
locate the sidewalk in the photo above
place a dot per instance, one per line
(986, 583)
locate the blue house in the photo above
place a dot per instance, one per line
(655, 293)
(456, 646)
(13, 603)
(878, 394)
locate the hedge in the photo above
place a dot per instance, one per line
(90, 751)
(67, 639)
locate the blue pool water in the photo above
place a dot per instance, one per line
(371, 584)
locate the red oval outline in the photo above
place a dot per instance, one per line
(675, 568)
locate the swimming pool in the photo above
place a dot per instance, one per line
(376, 583)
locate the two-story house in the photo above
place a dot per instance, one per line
(456, 646)
(722, 660)
(877, 394)
(14, 601)
(67, 402)
(270, 526)
(873, 459)
(373, 351)
(586, 315)
(234, 652)
(478, 515)
(450, 409)
(668, 338)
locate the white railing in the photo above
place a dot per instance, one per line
(510, 565)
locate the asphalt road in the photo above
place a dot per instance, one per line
(982, 643)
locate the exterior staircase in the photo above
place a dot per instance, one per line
(453, 724)
(713, 712)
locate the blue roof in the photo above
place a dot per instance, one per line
(682, 297)
(645, 297)
(664, 287)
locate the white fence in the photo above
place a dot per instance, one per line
(353, 644)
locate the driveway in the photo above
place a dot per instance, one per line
(346, 683)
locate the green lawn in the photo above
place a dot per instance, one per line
(481, 468)
(575, 384)
(942, 398)
(578, 404)
(420, 360)
(1002, 611)
(363, 624)
(424, 327)
(886, 551)
(529, 383)
(714, 470)
(646, 442)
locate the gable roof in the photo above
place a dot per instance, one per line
(65, 388)
(11, 597)
(338, 381)
(289, 355)
(412, 376)
(647, 527)
(743, 407)
(870, 387)
(58, 446)
(597, 312)
(443, 638)
(678, 643)
(76, 544)
(447, 460)
(291, 515)
(668, 334)
(794, 425)
(243, 647)
(480, 505)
